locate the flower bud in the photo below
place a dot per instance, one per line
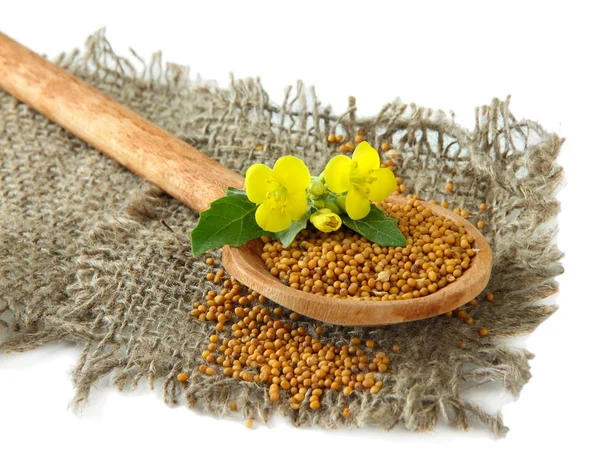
(341, 202)
(318, 204)
(316, 187)
(326, 220)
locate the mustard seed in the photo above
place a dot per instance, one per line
(449, 187)
(331, 138)
(480, 224)
(249, 423)
(489, 297)
(345, 265)
(483, 332)
(233, 406)
(483, 207)
(210, 261)
(182, 377)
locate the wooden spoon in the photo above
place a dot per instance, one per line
(196, 180)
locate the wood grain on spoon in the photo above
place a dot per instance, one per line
(196, 180)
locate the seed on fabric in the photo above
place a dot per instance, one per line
(483, 332)
(331, 138)
(210, 261)
(182, 377)
(469, 321)
(249, 423)
(257, 347)
(339, 138)
(259, 148)
(396, 348)
(461, 345)
(489, 297)
(473, 303)
(449, 187)
(233, 406)
(385, 146)
(359, 139)
(480, 224)
(483, 207)
(462, 314)
(344, 149)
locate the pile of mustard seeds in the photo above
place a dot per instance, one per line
(251, 343)
(344, 264)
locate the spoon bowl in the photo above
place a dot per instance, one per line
(246, 265)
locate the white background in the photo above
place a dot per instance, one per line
(449, 55)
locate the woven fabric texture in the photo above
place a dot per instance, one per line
(86, 257)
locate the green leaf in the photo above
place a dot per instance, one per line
(377, 227)
(229, 220)
(231, 191)
(287, 236)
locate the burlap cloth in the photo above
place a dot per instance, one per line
(85, 257)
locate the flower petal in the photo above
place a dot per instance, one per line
(357, 206)
(366, 158)
(270, 217)
(291, 172)
(337, 174)
(384, 184)
(296, 204)
(259, 182)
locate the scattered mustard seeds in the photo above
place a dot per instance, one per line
(344, 264)
(182, 377)
(253, 345)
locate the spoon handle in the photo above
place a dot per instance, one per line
(137, 144)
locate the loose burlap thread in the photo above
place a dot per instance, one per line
(90, 254)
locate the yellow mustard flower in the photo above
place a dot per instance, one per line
(326, 220)
(361, 177)
(280, 192)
